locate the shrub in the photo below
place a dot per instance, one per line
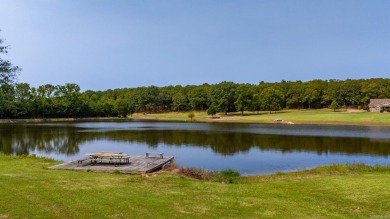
(230, 173)
(226, 176)
(212, 110)
(117, 172)
(191, 115)
(334, 106)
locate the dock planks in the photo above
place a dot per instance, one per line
(138, 164)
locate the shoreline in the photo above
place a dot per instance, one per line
(42, 120)
(257, 122)
(225, 120)
(316, 169)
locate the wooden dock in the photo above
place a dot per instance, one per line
(137, 164)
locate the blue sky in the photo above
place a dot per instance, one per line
(102, 44)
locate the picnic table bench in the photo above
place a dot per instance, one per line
(154, 154)
(110, 158)
(80, 162)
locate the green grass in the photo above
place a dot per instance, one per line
(177, 116)
(323, 116)
(29, 190)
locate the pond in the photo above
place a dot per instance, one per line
(247, 148)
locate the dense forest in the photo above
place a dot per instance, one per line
(20, 100)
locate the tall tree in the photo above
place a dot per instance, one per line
(295, 95)
(244, 97)
(350, 92)
(8, 76)
(147, 98)
(271, 99)
(179, 101)
(67, 100)
(23, 100)
(198, 96)
(223, 96)
(43, 101)
(313, 92)
(8, 72)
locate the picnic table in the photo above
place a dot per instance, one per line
(111, 158)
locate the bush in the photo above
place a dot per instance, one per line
(116, 172)
(230, 173)
(191, 115)
(212, 110)
(334, 106)
(226, 176)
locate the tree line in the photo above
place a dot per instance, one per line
(20, 100)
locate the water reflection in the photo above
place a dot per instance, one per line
(223, 140)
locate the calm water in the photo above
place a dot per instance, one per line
(248, 148)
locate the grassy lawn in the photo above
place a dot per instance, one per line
(294, 116)
(30, 190)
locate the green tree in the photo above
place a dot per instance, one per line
(23, 100)
(179, 101)
(295, 95)
(198, 96)
(164, 98)
(8, 77)
(43, 101)
(243, 97)
(223, 96)
(331, 92)
(271, 99)
(67, 101)
(313, 91)
(191, 115)
(131, 109)
(8, 72)
(350, 92)
(147, 98)
(120, 107)
(334, 105)
(212, 110)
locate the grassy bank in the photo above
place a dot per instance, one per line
(322, 116)
(30, 190)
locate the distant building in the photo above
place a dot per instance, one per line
(378, 105)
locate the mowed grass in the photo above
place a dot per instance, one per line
(322, 116)
(30, 190)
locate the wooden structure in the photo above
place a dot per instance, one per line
(379, 105)
(125, 164)
(107, 157)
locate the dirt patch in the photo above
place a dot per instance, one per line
(355, 111)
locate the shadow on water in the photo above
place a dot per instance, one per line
(66, 139)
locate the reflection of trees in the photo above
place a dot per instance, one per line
(228, 143)
(20, 139)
